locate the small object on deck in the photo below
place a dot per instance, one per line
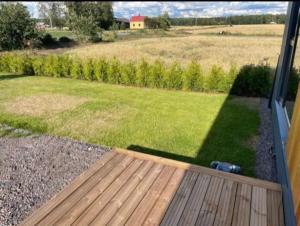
(225, 166)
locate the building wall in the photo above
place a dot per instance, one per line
(137, 25)
(293, 155)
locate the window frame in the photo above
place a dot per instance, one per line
(280, 119)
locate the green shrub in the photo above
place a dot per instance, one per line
(174, 77)
(250, 80)
(253, 80)
(143, 73)
(38, 65)
(76, 69)
(52, 66)
(231, 77)
(109, 36)
(87, 70)
(65, 65)
(215, 81)
(129, 74)
(114, 71)
(100, 70)
(157, 74)
(293, 84)
(193, 77)
(27, 65)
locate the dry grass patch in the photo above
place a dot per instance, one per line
(207, 50)
(44, 104)
(256, 29)
(89, 123)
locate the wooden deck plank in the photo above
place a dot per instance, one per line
(63, 207)
(116, 202)
(70, 216)
(125, 211)
(258, 207)
(226, 204)
(141, 212)
(210, 204)
(137, 189)
(241, 213)
(194, 204)
(159, 209)
(180, 199)
(91, 212)
(274, 208)
(39, 214)
(204, 170)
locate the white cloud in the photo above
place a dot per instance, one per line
(188, 9)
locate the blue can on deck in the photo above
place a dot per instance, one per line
(226, 167)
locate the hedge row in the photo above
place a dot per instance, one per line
(250, 80)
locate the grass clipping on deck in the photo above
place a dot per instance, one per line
(45, 104)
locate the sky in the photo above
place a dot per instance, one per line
(188, 9)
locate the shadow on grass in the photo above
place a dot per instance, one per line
(232, 137)
(11, 76)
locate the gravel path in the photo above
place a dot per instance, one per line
(265, 162)
(34, 168)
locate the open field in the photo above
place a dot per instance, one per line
(193, 127)
(251, 30)
(245, 44)
(207, 50)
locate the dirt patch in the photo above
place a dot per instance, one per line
(45, 104)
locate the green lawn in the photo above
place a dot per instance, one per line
(186, 126)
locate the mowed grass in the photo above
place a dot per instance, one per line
(187, 126)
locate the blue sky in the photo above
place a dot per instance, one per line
(188, 9)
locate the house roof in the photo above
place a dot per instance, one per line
(137, 18)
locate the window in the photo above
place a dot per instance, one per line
(139, 25)
(133, 25)
(293, 81)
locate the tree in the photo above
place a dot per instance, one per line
(161, 22)
(16, 26)
(89, 18)
(100, 12)
(53, 12)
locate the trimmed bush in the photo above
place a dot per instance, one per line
(48, 41)
(143, 72)
(253, 80)
(174, 77)
(100, 70)
(193, 77)
(215, 82)
(128, 74)
(76, 69)
(250, 80)
(65, 39)
(157, 74)
(114, 71)
(293, 84)
(230, 78)
(38, 66)
(87, 70)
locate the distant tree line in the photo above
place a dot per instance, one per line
(245, 19)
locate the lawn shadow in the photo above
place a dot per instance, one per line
(232, 137)
(11, 76)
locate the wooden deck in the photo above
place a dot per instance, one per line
(130, 188)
